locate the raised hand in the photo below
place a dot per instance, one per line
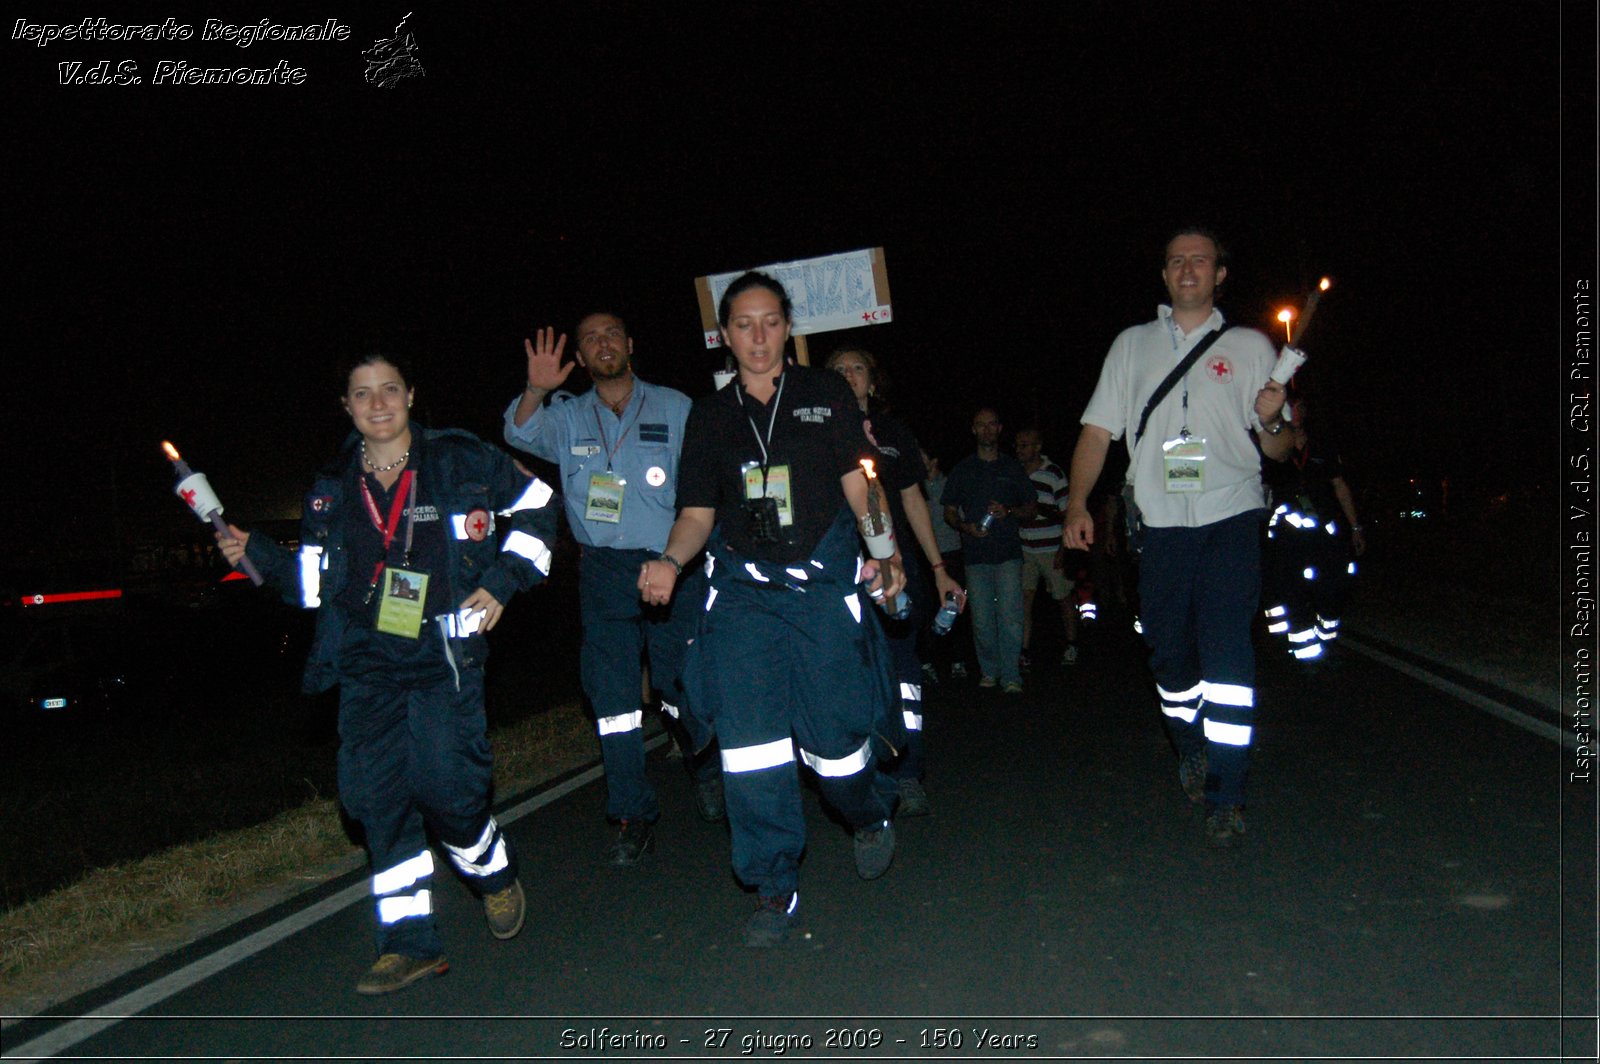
(545, 371)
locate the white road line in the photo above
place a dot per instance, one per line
(74, 1031)
(1543, 729)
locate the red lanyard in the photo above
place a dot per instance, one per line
(405, 502)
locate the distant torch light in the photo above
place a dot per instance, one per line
(196, 491)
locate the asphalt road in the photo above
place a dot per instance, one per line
(1417, 881)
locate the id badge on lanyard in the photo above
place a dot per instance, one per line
(405, 592)
(1183, 463)
(605, 498)
(774, 485)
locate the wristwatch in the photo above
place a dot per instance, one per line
(1278, 431)
(677, 566)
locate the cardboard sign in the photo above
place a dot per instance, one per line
(842, 291)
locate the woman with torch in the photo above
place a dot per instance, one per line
(399, 555)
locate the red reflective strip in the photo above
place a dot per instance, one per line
(70, 596)
(234, 575)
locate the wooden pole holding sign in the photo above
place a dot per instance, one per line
(801, 352)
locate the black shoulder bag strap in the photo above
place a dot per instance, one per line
(1175, 376)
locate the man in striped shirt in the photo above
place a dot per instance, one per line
(1043, 556)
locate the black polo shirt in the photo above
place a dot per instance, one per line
(816, 431)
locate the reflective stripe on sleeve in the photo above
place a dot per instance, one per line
(533, 497)
(310, 576)
(756, 758)
(531, 548)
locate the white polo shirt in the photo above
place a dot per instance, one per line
(1221, 389)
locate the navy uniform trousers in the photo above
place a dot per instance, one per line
(1199, 589)
(617, 628)
(789, 665)
(413, 760)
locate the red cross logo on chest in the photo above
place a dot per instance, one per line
(1219, 369)
(477, 525)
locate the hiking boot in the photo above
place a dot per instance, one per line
(505, 910)
(395, 971)
(635, 838)
(913, 799)
(987, 681)
(958, 671)
(1223, 822)
(1192, 774)
(874, 849)
(930, 675)
(708, 798)
(1012, 687)
(770, 923)
(1069, 656)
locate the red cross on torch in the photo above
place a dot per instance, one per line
(195, 490)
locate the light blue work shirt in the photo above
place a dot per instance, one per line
(580, 434)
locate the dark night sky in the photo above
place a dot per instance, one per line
(192, 262)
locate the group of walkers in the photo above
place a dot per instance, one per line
(770, 553)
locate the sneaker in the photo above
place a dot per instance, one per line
(1069, 656)
(1012, 687)
(1192, 774)
(395, 971)
(913, 799)
(930, 675)
(958, 671)
(505, 910)
(1223, 823)
(708, 798)
(874, 849)
(988, 681)
(1024, 661)
(770, 923)
(635, 838)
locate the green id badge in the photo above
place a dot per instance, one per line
(400, 608)
(605, 498)
(778, 489)
(1184, 463)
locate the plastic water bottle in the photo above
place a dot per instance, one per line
(902, 607)
(945, 619)
(987, 523)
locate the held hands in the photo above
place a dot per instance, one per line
(481, 601)
(233, 544)
(545, 371)
(656, 581)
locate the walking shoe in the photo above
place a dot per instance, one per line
(1192, 774)
(874, 849)
(1223, 822)
(987, 681)
(913, 799)
(770, 923)
(958, 671)
(635, 838)
(930, 675)
(395, 971)
(1069, 656)
(1024, 661)
(505, 910)
(1013, 687)
(708, 798)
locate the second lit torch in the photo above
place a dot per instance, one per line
(196, 491)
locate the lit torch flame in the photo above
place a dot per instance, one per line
(172, 452)
(1325, 285)
(866, 467)
(1286, 316)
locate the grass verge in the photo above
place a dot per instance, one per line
(114, 919)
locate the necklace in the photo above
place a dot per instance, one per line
(396, 464)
